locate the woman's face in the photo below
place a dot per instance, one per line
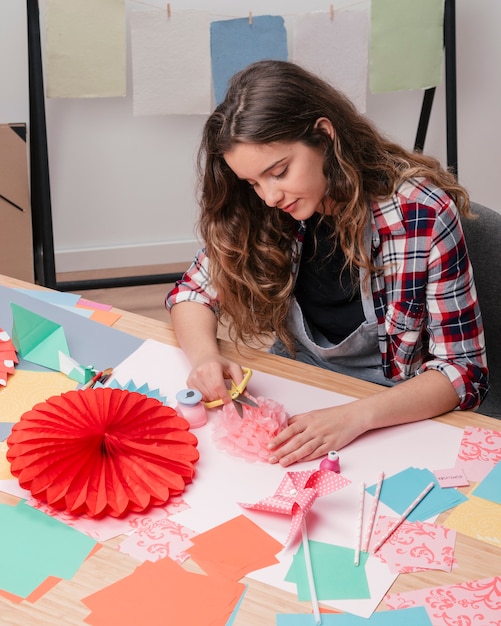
(288, 176)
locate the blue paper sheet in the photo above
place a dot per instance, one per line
(90, 342)
(400, 490)
(237, 43)
(5, 430)
(415, 616)
(490, 487)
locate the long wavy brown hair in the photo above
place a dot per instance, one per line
(250, 245)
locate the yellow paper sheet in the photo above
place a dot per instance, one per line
(85, 48)
(477, 518)
(25, 389)
(4, 464)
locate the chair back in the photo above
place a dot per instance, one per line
(483, 239)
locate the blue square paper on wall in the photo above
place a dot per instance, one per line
(239, 42)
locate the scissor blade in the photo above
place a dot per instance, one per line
(238, 407)
(245, 400)
(240, 400)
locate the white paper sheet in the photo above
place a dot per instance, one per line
(222, 481)
(336, 48)
(171, 62)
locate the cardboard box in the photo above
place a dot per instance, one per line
(16, 241)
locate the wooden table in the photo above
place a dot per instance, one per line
(261, 603)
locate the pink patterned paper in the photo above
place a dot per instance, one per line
(296, 494)
(157, 537)
(415, 546)
(109, 527)
(479, 452)
(471, 603)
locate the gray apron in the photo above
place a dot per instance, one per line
(357, 355)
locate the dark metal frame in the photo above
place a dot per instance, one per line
(450, 93)
(43, 239)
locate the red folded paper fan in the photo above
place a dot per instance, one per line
(102, 452)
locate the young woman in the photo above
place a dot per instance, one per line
(343, 246)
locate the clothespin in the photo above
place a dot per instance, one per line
(250, 18)
(168, 10)
(332, 11)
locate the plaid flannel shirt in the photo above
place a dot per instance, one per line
(425, 298)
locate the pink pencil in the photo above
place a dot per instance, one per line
(372, 514)
(360, 521)
(404, 515)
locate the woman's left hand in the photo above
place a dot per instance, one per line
(311, 435)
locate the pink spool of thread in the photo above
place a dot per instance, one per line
(331, 462)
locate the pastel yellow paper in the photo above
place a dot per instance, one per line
(86, 42)
(4, 464)
(477, 518)
(406, 48)
(26, 388)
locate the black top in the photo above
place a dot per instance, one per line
(328, 295)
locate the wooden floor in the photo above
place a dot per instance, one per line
(147, 300)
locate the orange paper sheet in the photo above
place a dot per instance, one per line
(234, 549)
(163, 593)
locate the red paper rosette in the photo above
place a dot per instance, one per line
(102, 452)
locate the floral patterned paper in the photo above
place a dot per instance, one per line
(157, 536)
(479, 452)
(415, 546)
(108, 527)
(464, 604)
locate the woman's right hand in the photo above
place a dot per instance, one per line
(196, 330)
(209, 375)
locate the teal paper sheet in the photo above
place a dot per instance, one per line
(34, 545)
(336, 576)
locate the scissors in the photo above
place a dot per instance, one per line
(237, 394)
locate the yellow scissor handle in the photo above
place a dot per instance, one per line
(235, 391)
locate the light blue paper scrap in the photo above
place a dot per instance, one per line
(59, 298)
(236, 43)
(62, 299)
(490, 487)
(131, 386)
(5, 430)
(414, 616)
(401, 489)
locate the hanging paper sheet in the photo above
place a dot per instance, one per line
(237, 43)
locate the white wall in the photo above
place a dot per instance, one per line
(123, 187)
